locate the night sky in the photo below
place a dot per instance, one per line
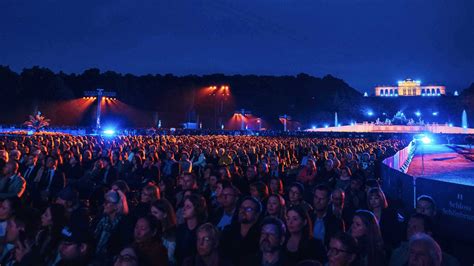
(364, 42)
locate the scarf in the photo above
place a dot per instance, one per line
(103, 231)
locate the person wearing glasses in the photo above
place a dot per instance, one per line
(240, 240)
(207, 246)
(224, 215)
(342, 250)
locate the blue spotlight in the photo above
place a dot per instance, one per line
(417, 113)
(426, 140)
(109, 132)
(313, 127)
(370, 113)
(435, 113)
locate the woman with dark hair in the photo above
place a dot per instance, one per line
(8, 208)
(342, 250)
(259, 190)
(276, 207)
(296, 197)
(194, 214)
(367, 232)
(151, 168)
(164, 212)
(147, 241)
(344, 178)
(135, 176)
(387, 217)
(49, 237)
(276, 185)
(301, 244)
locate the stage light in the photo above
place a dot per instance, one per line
(370, 113)
(417, 113)
(435, 113)
(326, 126)
(313, 127)
(450, 125)
(109, 132)
(426, 140)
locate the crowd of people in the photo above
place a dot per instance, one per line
(206, 200)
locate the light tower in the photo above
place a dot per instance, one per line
(99, 94)
(284, 119)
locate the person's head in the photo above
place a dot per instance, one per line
(342, 250)
(321, 198)
(229, 196)
(249, 210)
(346, 172)
(164, 212)
(329, 164)
(376, 199)
(272, 235)
(127, 257)
(4, 155)
(356, 183)
(365, 226)
(259, 190)
(426, 205)
(32, 159)
(51, 162)
(195, 207)
(68, 197)
(150, 193)
(276, 206)
(424, 251)
(419, 223)
(54, 216)
(146, 228)
(121, 185)
(276, 185)
(24, 222)
(189, 181)
(75, 245)
(115, 203)
(207, 240)
(295, 192)
(298, 221)
(10, 168)
(251, 172)
(9, 207)
(337, 197)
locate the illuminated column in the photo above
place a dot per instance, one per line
(100, 93)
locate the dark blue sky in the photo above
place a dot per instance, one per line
(365, 42)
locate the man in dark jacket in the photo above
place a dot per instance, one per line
(240, 240)
(325, 224)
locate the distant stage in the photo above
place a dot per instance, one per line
(380, 128)
(441, 171)
(448, 163)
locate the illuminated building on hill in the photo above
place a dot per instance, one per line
(409, 87)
